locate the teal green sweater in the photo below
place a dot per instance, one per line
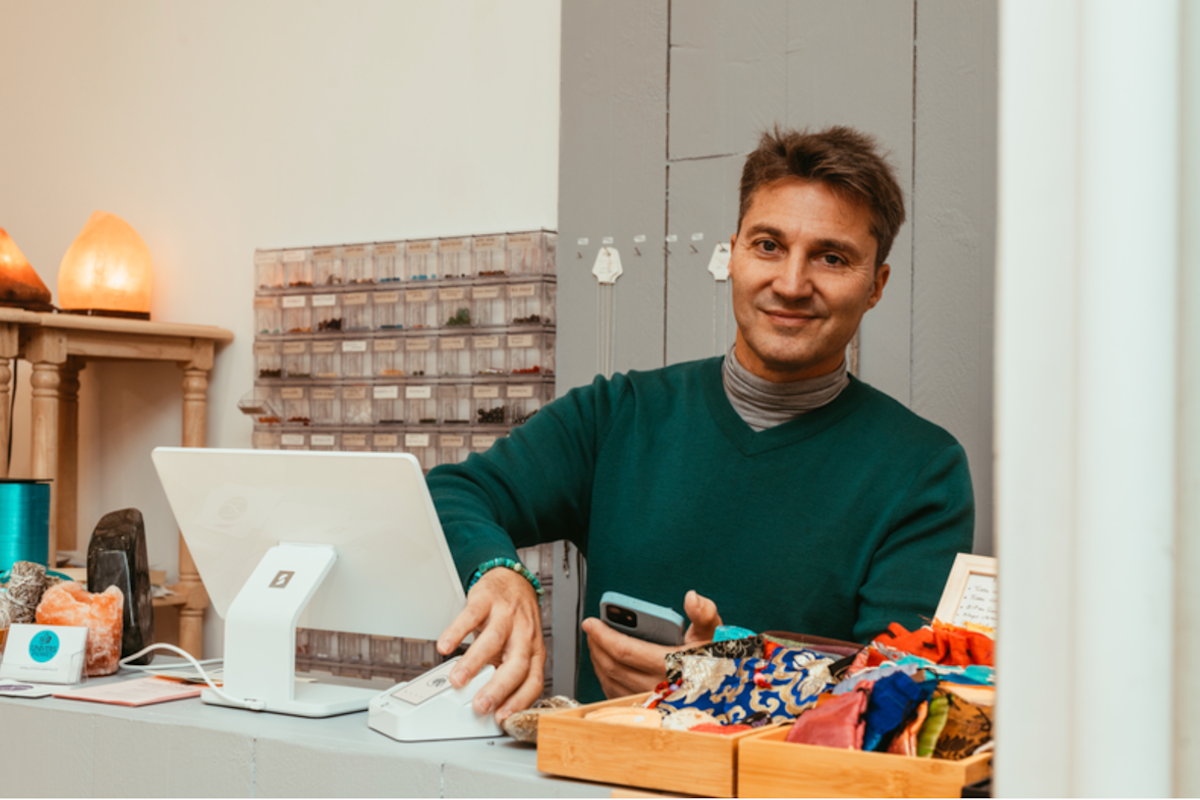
(833, 524)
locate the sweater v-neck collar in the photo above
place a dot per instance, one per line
(749, 442)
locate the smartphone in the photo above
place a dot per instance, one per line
(641, 620)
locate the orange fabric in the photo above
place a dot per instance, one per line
(941, 643)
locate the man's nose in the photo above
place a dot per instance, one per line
(794, 280)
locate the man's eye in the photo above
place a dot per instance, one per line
(768, 246)
(829, 259)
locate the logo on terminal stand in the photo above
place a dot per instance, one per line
(43, 646)
(281, 579)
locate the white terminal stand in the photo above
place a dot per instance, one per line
(260, 637)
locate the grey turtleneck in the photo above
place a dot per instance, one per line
(762, 404)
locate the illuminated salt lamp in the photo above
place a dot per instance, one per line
(20, 286)
(106, 270)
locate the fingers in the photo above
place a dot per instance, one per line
(704, 618)
(467, 620)
(623, 665)
(530, 690)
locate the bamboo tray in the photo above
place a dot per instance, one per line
(670, 761)
(768, 766)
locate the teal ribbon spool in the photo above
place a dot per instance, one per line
(24, 522)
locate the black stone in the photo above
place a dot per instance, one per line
(117, 557)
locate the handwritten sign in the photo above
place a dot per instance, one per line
(970, 593)
(978, 603)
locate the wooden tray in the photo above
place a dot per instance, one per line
(671, 761)
(768, 766)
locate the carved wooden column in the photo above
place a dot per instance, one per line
(47, 352)
(195, 433)
(8, 352)
(66, 496)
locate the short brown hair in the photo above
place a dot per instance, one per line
(845, 159)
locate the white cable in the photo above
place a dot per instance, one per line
(253, 705)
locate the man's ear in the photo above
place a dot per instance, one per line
(881, 278)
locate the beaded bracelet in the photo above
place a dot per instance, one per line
(515, 566)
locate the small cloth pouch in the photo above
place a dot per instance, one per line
(837, 722)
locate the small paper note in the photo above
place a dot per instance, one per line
(608, 265)
(978, 604)
(718, 265)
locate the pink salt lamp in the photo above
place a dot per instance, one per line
(106, 270)
(20, 286)
(69, 603)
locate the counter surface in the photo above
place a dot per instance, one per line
(68, 748)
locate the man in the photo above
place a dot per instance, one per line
(795, 496)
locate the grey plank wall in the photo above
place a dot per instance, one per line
(655, 151)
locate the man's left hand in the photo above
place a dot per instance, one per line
(626, 665)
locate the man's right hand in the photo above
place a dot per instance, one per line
(502, 609)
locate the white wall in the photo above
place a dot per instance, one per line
(218, 127)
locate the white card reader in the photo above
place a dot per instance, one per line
(429, 708)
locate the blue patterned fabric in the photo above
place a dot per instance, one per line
(894, 699)
(733, 690)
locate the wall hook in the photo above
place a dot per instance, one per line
(639, 252)
(694, 250)
(578, 254)
(666, 250)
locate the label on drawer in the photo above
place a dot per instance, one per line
(354, 347)
(457, 293)
(418, 392)
(520, 391)
(264, 348)
(354, 440)
(322, 252)
(453, 441)
(354, 251)
(486, 392)
(386, 392)
(295, 301)
(418, 344)
(485, 342)
(386, 298)
(485, 292)
(265, 302)
(453, 343)
(420, 247)
(324, 300)
(521, 340)
(262, 259)
(386, 440)
(483, 442)
(482, 242)
(523, 290)
(292, 439)
(292, 256)
(520, 239)
(355, 299)
(416, 440)
(324, 393)
(385, 345)
(322, 440)
(292, 393)
(452, 245)
(354, 393)
(385, 249)
(295, 348)
(418, 295)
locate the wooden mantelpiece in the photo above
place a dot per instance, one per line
(58, 346)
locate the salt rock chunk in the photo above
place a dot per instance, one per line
(71, 604)
(523, 725)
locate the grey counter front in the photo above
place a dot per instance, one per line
(68, 748)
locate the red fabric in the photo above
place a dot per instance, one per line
(836, 722)
(724, 730)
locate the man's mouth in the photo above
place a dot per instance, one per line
(782, 317)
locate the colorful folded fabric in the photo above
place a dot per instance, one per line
(968, 727)
(733, 690)
(750, 647)
(726, 633)
(893, 702)
(904, 742)
(834, 722)
(935, 722)
(942, 643)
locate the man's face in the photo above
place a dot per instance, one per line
(803, 272)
